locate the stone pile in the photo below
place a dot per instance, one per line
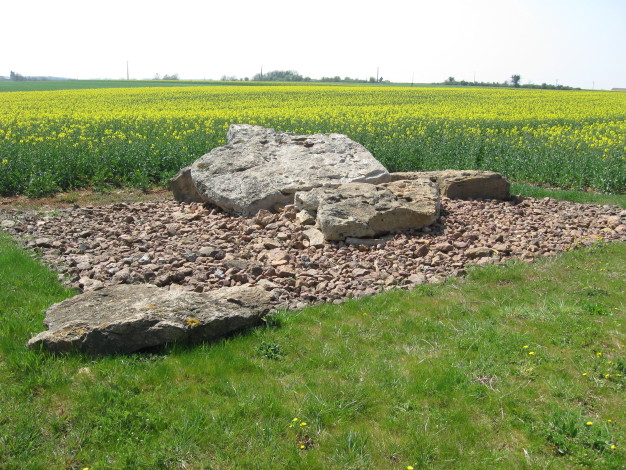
(192, 247)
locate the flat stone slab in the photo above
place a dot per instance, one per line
(128, 318)
(260, 168)
(462, 184)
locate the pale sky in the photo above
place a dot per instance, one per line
(579, 43)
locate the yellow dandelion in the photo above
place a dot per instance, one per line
(607, 376)
(531, 353)
(613, 447)
(599, 354)
(409, 467)
(584, 374)
(302, 446)
(526, 346)
(295, 419)
(302, 423)
(589, 423)
(609, 420)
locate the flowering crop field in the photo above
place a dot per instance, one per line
(68, 139)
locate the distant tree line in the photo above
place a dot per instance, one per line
(513, 82)
(17, 77)
(280, 76)
(293, 76)
(337, 78)
(174, 76)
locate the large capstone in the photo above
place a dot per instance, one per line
(260, 168)
(128, 318)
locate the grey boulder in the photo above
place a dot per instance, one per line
(260, 168)
(363, 210)
(128, 318)
(462, 184)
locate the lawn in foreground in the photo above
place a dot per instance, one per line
(518, 366)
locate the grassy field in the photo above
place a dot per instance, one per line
(517, 366)
(96, 84)
(50, 85)
(66, 139)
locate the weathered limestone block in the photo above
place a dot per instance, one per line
(364, 210)
(260, 168)
(463, 184)
(128, 318)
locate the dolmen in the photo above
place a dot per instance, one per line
(332, 185)
(336, 184)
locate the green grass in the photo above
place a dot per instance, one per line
(439, 377)
(574, 196)
(47, 85)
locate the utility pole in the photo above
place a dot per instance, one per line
(412, 78)
(127, 74)
(261, 73)
(378, 67)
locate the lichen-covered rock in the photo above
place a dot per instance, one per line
(260, 168)
(128, 318)
(463, 184)
(365, 210)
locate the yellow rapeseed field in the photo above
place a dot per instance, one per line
(52, 140)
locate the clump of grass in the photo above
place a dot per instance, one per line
(438, 377)
(563, 195)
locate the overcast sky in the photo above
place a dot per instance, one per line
(579, 43)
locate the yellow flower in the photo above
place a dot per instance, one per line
(409, 467)
(295, 419)
(5, 161)
(599, 354)
(531, 353)
(303, 424)
(609, 420)
(607, 376)
(526, 346)
(589, 423)
(584, 373)
(613, 447)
